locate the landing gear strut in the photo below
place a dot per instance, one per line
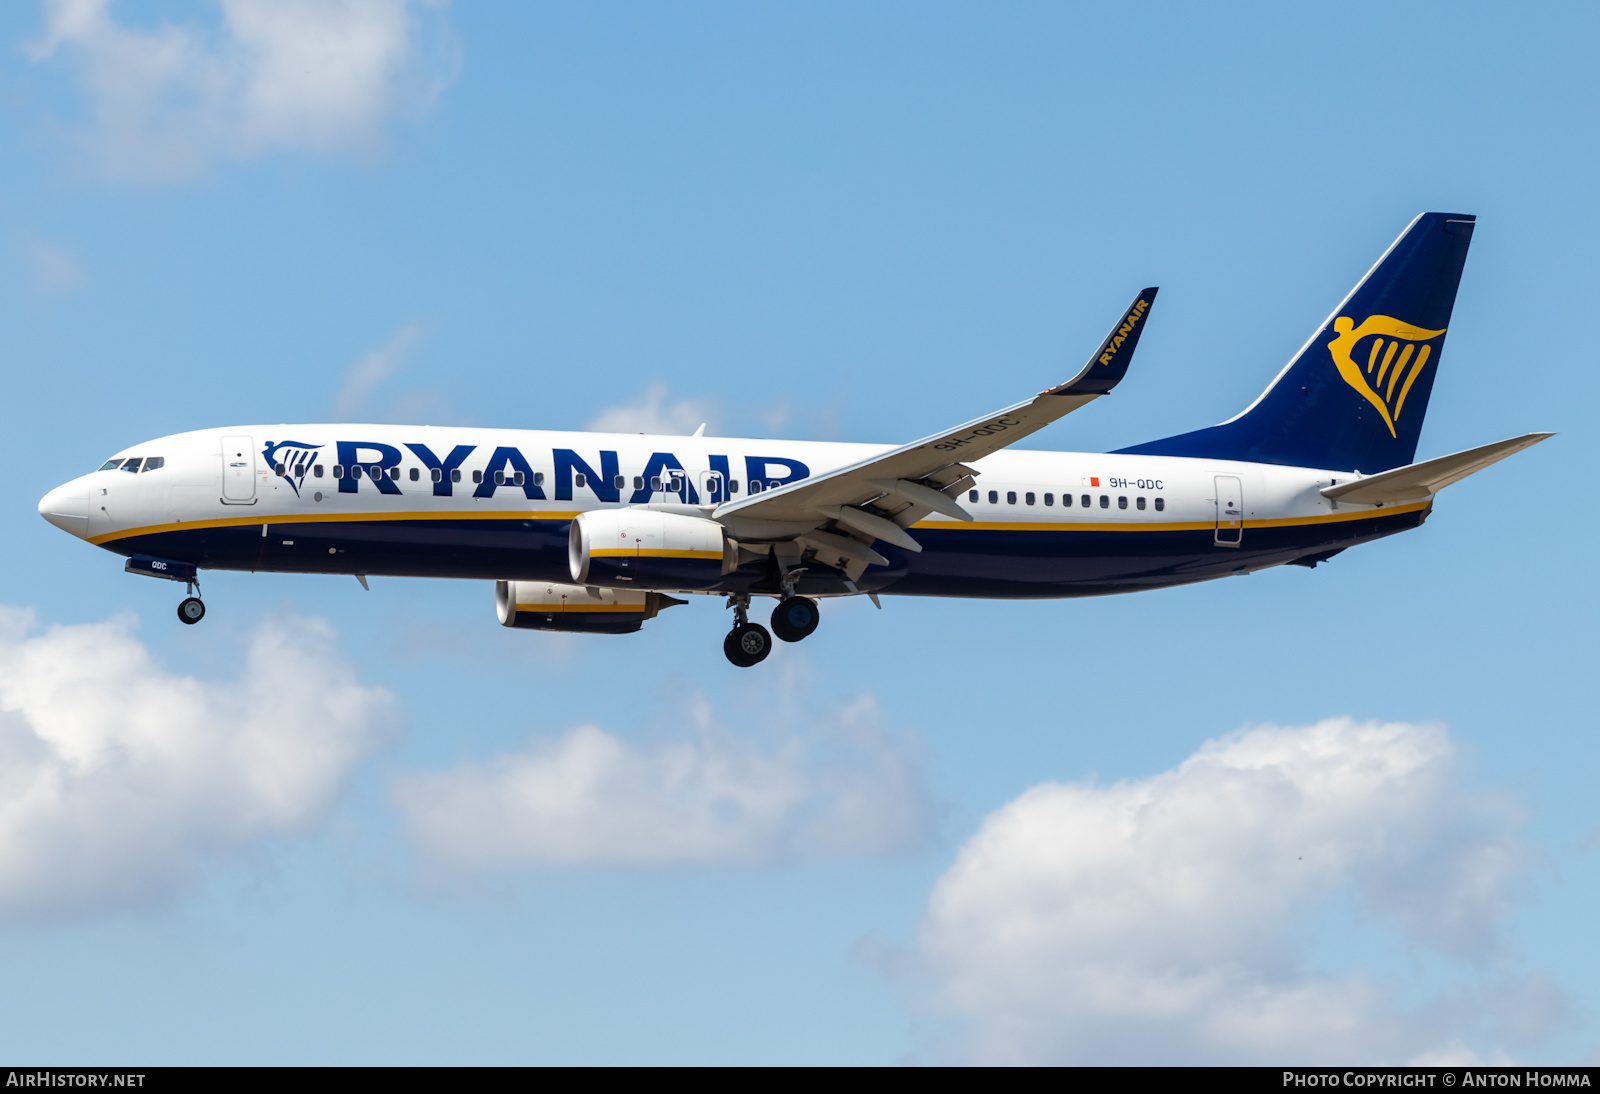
(748, 643)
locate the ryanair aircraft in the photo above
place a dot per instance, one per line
(595, 531)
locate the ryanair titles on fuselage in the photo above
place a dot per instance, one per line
(374, 462)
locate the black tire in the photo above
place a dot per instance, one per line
(192, 610)
(795, 618)
(747, 645)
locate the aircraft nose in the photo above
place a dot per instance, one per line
(67, 507)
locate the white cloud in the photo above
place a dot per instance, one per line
(589, 797)
(119, 780)
(372, 369)
(1172, 919)
(55, 268)
(651, 413)
(317, 75)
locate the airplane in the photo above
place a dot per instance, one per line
(595, 532)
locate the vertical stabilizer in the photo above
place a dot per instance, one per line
(1355, 395)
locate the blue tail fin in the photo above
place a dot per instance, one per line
(1354, 396)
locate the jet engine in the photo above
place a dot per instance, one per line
(649, 549)
(550, 606)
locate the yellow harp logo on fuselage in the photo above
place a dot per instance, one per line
(1396, 351)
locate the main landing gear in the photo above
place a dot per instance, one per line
(749, 643)
(795, 617)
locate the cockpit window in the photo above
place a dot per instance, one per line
(110, 465)
(132, 466)
(155, 463)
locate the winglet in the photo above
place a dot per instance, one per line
(1109, 364)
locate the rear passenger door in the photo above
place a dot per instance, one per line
(1230, 511)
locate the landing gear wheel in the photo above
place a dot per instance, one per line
(795, 617)
(192, 610)
(747, 644)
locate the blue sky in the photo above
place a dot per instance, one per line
(852, 222)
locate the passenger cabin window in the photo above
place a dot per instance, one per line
(538, 478)
(277, 469)
(455, 474)
(994, 497)
(655, 482)
(1066, 501)
(638, 482)
(1122, 501)
(299, 470)
(1105, 501)
(620, 482)
(733, 486)
(580, 479)
(477, 476)
(972, 495)
(1139, 503)
(110, 465)
(1049, 499)
(415, 474)
(1160, 504)
(1028, 497)
(132, 466)
(755, 486)
(773, 484)
(517, 479)
(155, 463)
(499, 478)
(394, 472)
(338, 471)
(1086, 501)
(437, 474)
(316, 470)
(1011, 497)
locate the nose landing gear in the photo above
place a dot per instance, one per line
(192, 610)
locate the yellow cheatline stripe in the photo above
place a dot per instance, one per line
(584, 609)
(330, 518)
(650, 552)
(1153, 526)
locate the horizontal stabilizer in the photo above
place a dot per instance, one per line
(1421, 480)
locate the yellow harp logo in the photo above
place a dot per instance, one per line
(1379, 379)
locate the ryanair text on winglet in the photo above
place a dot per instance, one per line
(1114, 343)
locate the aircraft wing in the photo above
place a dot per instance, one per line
(1420, 480)
(878, 498)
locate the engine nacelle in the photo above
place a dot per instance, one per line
(550, 606)
(648, 549)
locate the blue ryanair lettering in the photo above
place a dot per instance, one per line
(759, 468)
(719, 489)
(458, 456)
(660, 463)
(503, 459)
(350, 455)
(604, 484)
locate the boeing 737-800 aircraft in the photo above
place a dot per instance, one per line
(595, 531)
